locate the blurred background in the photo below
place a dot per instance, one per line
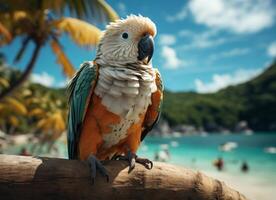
(217, 60)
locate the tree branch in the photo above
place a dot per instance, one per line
(51, 178)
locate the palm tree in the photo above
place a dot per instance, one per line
(12, 111)
(48, 114)
(35, 21)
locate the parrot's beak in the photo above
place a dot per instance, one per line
(145, 49)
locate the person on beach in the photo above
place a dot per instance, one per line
(244, 167)
(219, 163)
(24, 152)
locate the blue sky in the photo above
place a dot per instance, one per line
(201, 45)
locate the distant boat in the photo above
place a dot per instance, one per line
(174, 143)
(176, 134)
(203, 134)
(271, 150)
(164, 146)
(228, 146)
(144, 148)
(163, 155)
(248, 132)
(166, 135)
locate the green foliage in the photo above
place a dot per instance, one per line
(43, 106)
(253, 101)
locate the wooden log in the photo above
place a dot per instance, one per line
(52, 178)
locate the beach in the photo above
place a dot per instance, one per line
(253, 187)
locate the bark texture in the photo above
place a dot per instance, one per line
(52, 178)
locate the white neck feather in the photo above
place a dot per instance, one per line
(126, 91)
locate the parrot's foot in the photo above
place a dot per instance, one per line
(144, 161)
(95, 165)
(132, 158)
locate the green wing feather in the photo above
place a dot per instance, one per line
(80, 89)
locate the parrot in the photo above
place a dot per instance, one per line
(115, 100)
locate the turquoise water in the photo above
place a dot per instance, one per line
(199, 152)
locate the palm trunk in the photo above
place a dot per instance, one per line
(25, 74)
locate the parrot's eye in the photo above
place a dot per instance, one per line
(125, 35)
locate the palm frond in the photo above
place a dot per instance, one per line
(58, 122)
(13, 5)
(16, 105)
(4, 83)
(37, 112)
(13, 120)
(108, 10)
(2, 107)
(96, 10)
(62, 59)
(26, 92)
(53, 122)
(18, 15)
(5, 35)
(43, 124)
(81, 32)
(17, 22)
(84, 9)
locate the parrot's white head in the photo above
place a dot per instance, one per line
(128, 41)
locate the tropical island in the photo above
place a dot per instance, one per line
(247, 106)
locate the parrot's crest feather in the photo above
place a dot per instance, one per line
(135, 23)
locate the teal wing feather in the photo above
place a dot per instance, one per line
(80, 90)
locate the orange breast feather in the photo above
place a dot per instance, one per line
(97, 122)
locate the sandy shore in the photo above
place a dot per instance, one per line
(253, 187)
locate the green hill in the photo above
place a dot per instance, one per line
(253, 101)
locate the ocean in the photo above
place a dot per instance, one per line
(199, 152)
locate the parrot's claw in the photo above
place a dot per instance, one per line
(144, 161)
(95, 165)
(132, 158)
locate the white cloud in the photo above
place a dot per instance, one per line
(202, 40)
(230, 53)
(171, 59)
(220, 81)
(44, 79)
(182, 14)
(237, 16)
(206, 42)
(167, 39)
(271, 50)
(122, 8)
(63, 83)
(235, 52)
(47, 80)
(186, 33)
